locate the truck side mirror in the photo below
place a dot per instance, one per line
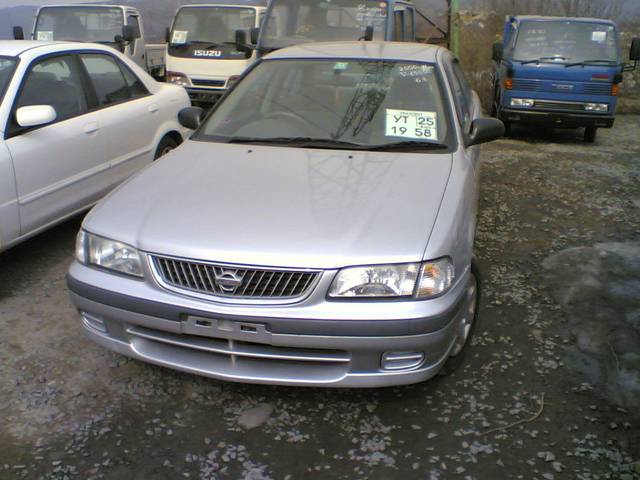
(190, 117)
(498, 52)
(368, 33)
(255, 35)
(241, 43)
(634, 54)
(167, 35)
(130, 33)
(485, 130)
(18, 33)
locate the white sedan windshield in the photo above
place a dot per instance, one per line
(363, 102)
(7, 66)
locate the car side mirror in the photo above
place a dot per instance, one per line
(190, 117)
(130, 33)
(35, 116)
(498, 52)
(255, 35)
(634, 54)
(18, 33)
(484, 130)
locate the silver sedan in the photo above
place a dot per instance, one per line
(317, 229)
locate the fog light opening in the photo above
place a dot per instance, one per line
(93, 322)
(395, 361)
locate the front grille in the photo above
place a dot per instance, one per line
(551, 105)
(208, 83)
(598, 89)
(526, 85)
(232, 281)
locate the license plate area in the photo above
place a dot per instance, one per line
(227, 329)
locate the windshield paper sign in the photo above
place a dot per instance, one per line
(179, 37)
(45, 36)
(411, 124)
(371, 14)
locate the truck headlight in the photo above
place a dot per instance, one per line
(178, 78)
(108, 254)
(417, 280)
(596, 107)
(523, 102)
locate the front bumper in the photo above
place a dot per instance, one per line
(262, 344)
(556, 119)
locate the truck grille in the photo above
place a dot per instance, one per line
(208, 83)
(598, 89)
(527, 85)
(551, 105)
(232, 281)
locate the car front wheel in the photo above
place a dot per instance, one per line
(166, 145)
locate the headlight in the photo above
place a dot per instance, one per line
(108, 254)
(418, 280)
(522, 102)
(596, 107)
(178, 78)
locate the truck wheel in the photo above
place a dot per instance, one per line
(166, 145)
(507, 128)
(467, 325)
(590, 134)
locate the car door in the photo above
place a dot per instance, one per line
(129, 114)
(58, 167)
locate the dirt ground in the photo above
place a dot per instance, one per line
(550, 389)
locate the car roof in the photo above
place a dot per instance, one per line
(15, 48)
(404, 51)
(541, 18)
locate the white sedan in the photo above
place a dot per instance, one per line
(75, 121)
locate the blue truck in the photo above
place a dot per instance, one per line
(559, 72)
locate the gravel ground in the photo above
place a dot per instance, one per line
(550, 389)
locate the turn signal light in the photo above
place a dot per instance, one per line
(508, 83)
(615, 90)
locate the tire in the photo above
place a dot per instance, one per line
(507, 128)
(590, 134)
(165, 146)
(467, 326)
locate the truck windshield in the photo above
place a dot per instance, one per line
(343, 104)
(79, 24)
(7, 66)
(211, 25)
(292, 22)
(566, 42)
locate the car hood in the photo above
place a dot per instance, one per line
(275, 206)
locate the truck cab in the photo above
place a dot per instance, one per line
(202, 51)
(559, 72)
(293, 22)
(118, 26)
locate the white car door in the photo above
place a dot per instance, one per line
(59, 167)
(129, 113)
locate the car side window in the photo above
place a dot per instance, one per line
(462, 95)
(111, 84)
(55, 81)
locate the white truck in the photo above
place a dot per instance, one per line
(118, 26)
(202, 46)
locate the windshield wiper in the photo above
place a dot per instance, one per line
(527, 62)
(586, 62)
(407, 145)
(303, 142)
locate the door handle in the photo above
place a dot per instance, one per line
(91, 128)
(153, 108)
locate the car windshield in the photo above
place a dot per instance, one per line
(566, 42)
(292, 22)
(7, 66)
(79, 24)
(211, 25)
(350, 104)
